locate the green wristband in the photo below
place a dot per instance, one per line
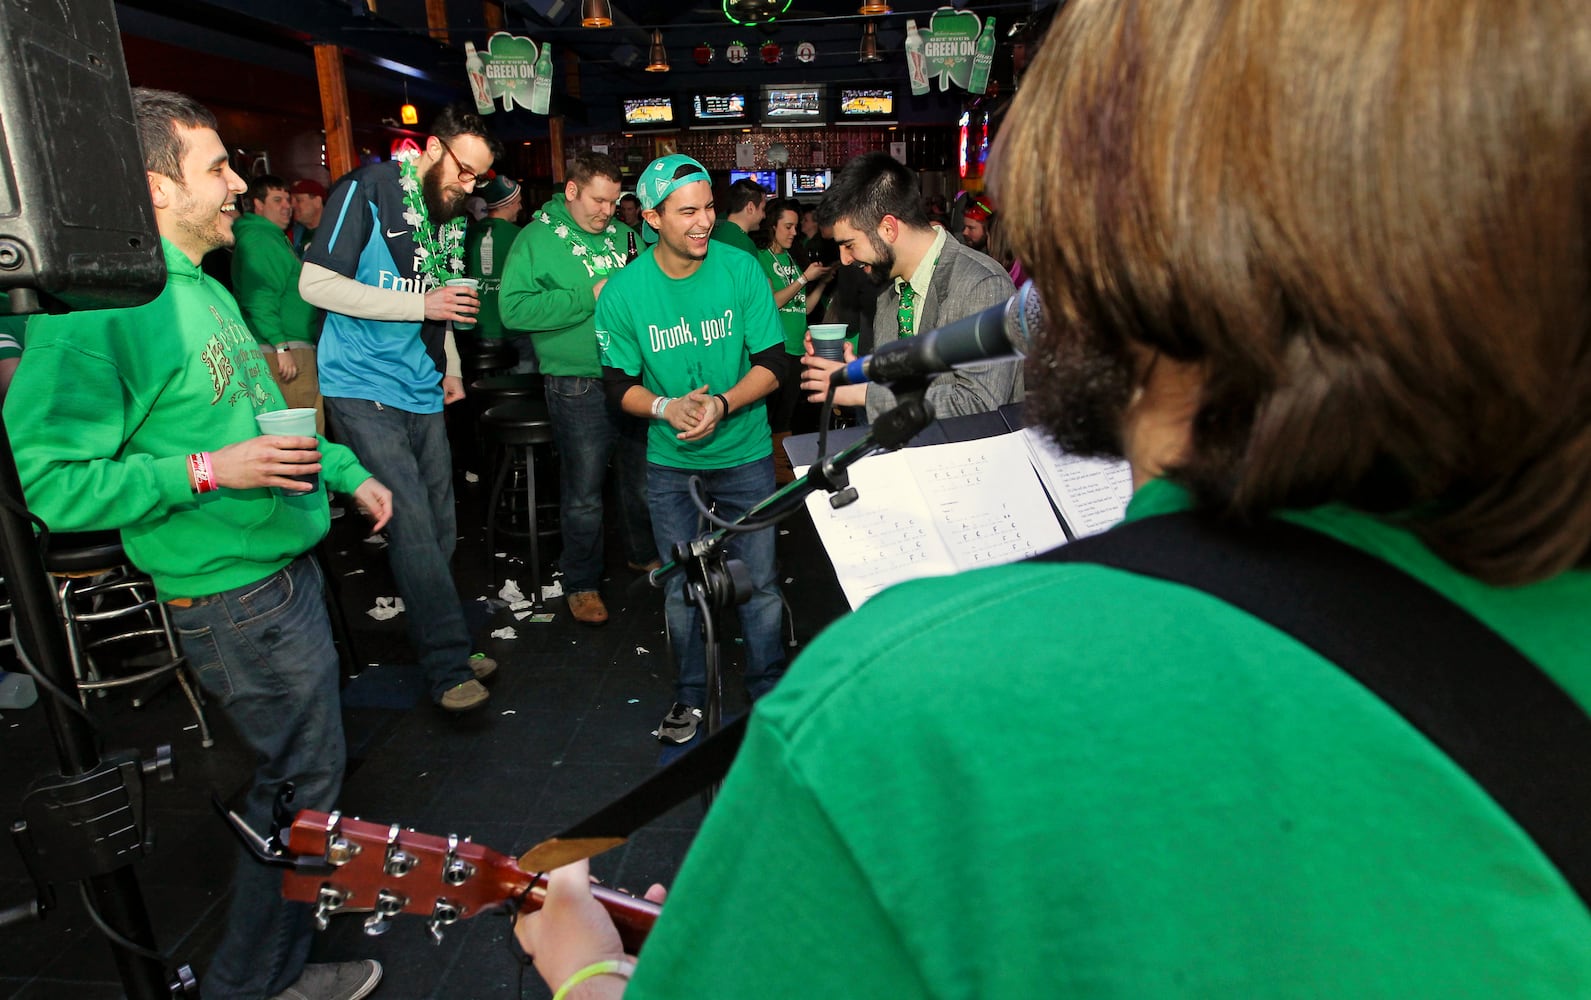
(608, 967)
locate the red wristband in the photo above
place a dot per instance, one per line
(199, 468)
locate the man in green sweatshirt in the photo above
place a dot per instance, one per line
(551, 283)
(143, 420)
(265, 280)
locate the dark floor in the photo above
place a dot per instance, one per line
(568, 729)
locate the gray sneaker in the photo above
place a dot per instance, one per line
(463, 697)
(679, 725)
(334, 981)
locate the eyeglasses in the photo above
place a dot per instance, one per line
(466, 175)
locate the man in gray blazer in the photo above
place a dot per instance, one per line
(876, 209)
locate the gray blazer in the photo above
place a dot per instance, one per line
(964, 282)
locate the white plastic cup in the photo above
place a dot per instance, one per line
(828, 340)
(296, 422)
(474, 285)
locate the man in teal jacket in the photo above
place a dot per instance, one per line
(554, 276)
(265, 279)
(143, 420)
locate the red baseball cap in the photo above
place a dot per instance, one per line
(307, 186)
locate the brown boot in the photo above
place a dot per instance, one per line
(587, 608)
(783, 471)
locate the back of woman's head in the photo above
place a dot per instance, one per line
(1367, 222)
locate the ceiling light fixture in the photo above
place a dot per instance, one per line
(869, 51)
(408, 114)
(872, 8)
(657, 61)
(596, 14)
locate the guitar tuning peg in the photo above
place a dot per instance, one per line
(455, 870)
(388, 905)
(442, 914)
(398, 862)
(339, 849)
(328, 902)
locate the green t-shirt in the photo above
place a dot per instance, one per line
(487, 243)
(1058, 780)
(679, 334)
(725, 231)
(11, 333)
(265, 274)
(781, 271)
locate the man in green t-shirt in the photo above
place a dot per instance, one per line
(551, 285)
(487, 245)
(743, 212)
(1072, 781)
(690, 338)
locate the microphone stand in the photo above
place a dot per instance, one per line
(715, 583)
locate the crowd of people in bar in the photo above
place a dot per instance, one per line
(1322, 264)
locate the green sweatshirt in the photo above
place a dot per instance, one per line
(547, 286)
(105, 409)
(486, 247)
(265, 278)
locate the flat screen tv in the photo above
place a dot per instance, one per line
(806, 183)
(875, 104)
(794, 104)
(648, 112)
(731, 108)
(769, 179)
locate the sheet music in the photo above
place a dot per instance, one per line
(987, 501)
(933, 511)
(1092, 493)
(885, 536)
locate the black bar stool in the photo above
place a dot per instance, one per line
(517, 427)
(96, 584)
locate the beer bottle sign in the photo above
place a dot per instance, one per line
(950, 48)
(509, 67)
(982, 59)
(475, 66)
(916, 62)
(541, 87)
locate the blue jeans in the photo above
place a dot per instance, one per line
(264, 654)
(525, 346)
(408, 453)
(589, 433)
(674, 517)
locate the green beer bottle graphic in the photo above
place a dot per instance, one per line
(982, 60)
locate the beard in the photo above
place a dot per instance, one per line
(439, 204)
(878, 270)
(1078, 391)
(202, 222)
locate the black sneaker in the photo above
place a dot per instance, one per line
(679, 725)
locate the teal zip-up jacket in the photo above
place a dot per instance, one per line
(107, 406)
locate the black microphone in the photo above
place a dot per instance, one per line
(999, 331)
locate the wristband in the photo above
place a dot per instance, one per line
(199, 469)
(610, 967)
(659, 405)
(722, 399)
(801, 280)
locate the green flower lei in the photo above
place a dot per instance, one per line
(577, 246)
(441, 249)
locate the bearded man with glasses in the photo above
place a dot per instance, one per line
(391, 236)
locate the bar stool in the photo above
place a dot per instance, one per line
(481, 358)
(494, 389)
(517, 427)
(96, 584)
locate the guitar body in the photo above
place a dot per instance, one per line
(384, 870)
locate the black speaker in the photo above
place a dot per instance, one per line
(77, 230)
